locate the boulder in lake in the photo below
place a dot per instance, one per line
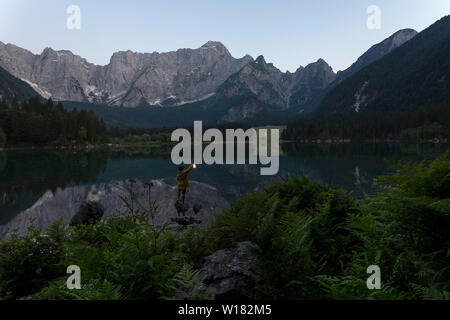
(185, 221)
(181, 207)
(197, 207)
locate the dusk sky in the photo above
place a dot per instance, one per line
(288, 33)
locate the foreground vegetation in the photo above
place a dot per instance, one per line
(315, 242)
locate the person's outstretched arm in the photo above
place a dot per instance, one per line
(190, 168)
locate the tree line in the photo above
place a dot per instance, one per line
(161, 134)
(40, 122)
(423, 124)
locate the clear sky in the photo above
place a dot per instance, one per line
(289, 33)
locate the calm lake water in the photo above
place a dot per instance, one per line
(41, 186)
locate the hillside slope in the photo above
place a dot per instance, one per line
(412, 75)
(11, 87)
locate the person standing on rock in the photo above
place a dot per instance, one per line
(182, 179)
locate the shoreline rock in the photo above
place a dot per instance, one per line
(231, 273)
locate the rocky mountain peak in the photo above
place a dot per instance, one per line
(213, 44)
(13, 50)
(47, 50)
(217, 46)
(121, 58)
(322, 62)
(268, 86)
(378, 51)
(319, 64)
(260, 59)
(125, 53)
(260, 64)
(400, 37)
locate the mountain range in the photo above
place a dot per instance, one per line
(162, 79)
(209, 83)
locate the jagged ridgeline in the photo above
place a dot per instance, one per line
(138, 89)
(404, 72)
(209, 83)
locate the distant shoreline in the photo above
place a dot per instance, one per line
(111, 146)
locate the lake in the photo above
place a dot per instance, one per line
(41, 186)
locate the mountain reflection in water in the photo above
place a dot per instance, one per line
(47, 185)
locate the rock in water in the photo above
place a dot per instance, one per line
(181, 208)
(197, 207)
(90, 212)
(185, 221)
(178, 206)
(230, 273)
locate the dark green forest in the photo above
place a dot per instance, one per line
(2, 138)
(415, 126)
(35, 122)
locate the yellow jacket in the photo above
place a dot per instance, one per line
(182, 178)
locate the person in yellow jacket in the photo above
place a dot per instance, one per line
(182, 179)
